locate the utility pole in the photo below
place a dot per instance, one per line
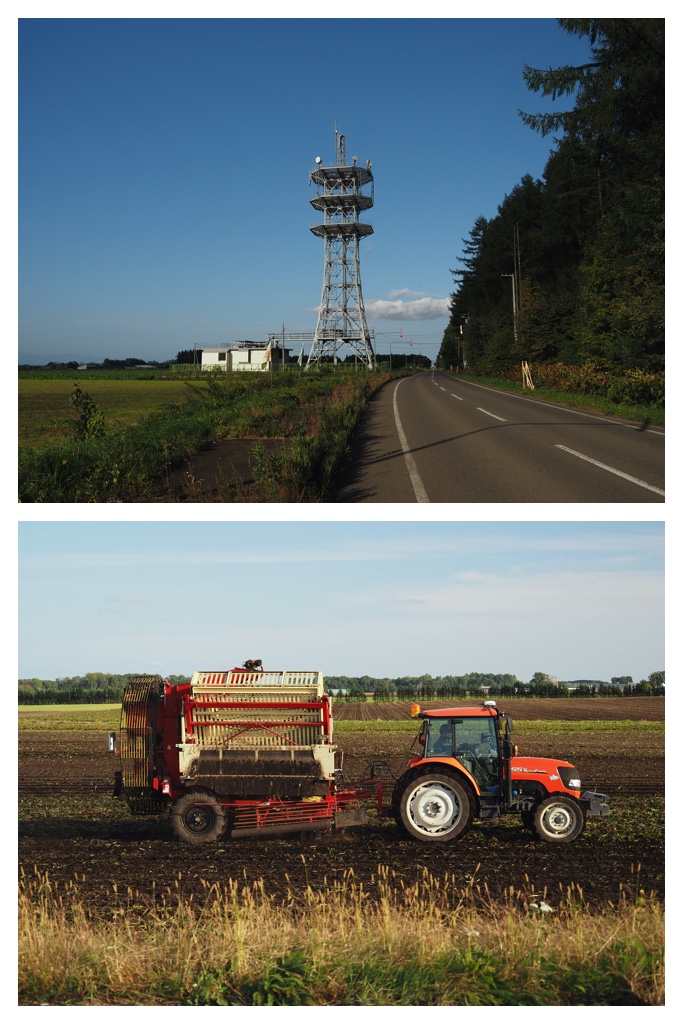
(514, 304)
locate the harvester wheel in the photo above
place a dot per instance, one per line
(435, 808)
(558, 819)
(198, 817)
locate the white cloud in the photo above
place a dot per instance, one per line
(562, 598)
(402, 293)
(424, 308)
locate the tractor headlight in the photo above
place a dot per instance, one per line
(569, 778)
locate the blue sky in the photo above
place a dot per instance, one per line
(575, 600)
(163, 170)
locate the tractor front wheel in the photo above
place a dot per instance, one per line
(198, 817)
(435, 808)
(558, 819)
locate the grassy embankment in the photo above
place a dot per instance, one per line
(429, 943)
(153, 424)
(632, 411)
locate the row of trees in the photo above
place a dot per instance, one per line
(104, 688)
(503, 685)
(92, 688)
(106, 364)
(579, 255)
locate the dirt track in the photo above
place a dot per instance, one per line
(72, 828)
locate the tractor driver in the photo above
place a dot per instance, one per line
(444, 743)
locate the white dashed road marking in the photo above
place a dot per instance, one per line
(479, 409)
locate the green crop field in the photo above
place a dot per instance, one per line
(46, 415)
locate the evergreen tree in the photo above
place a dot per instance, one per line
(586, 243)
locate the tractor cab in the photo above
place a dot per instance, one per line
(470, 736)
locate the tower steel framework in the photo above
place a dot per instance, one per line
(341, 194)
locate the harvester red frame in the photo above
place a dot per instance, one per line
(167, 715)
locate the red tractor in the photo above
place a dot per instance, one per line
(468, 767)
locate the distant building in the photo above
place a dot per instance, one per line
(244, 356)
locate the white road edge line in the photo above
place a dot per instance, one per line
(420, 493)
(610, 469)
(479, 409)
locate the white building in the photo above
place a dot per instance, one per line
(243, 355)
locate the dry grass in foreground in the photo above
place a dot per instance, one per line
(421, 945)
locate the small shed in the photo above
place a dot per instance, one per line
(249, 356)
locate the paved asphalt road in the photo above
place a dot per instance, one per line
(434, 438)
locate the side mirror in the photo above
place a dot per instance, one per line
(111, 743)
(509, 748)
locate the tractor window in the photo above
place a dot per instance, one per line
(476, 736)
(476, 747)
(440, 743)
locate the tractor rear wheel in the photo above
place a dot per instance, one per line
(435, 808)
(198, 817)
(558, 819)
(396, 806)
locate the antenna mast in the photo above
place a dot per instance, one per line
(341, 194)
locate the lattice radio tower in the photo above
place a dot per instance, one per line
(342, 193)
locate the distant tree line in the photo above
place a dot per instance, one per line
(578, 255)
(105, 688)
(541, 684)
(92, 688)
(106, 364)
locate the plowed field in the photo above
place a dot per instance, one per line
(556, 709)
(73, 830)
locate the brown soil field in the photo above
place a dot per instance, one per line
(522, 709)
(73, 830)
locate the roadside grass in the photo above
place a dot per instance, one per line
(653, 415)
(316, 412)
(431, 943)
